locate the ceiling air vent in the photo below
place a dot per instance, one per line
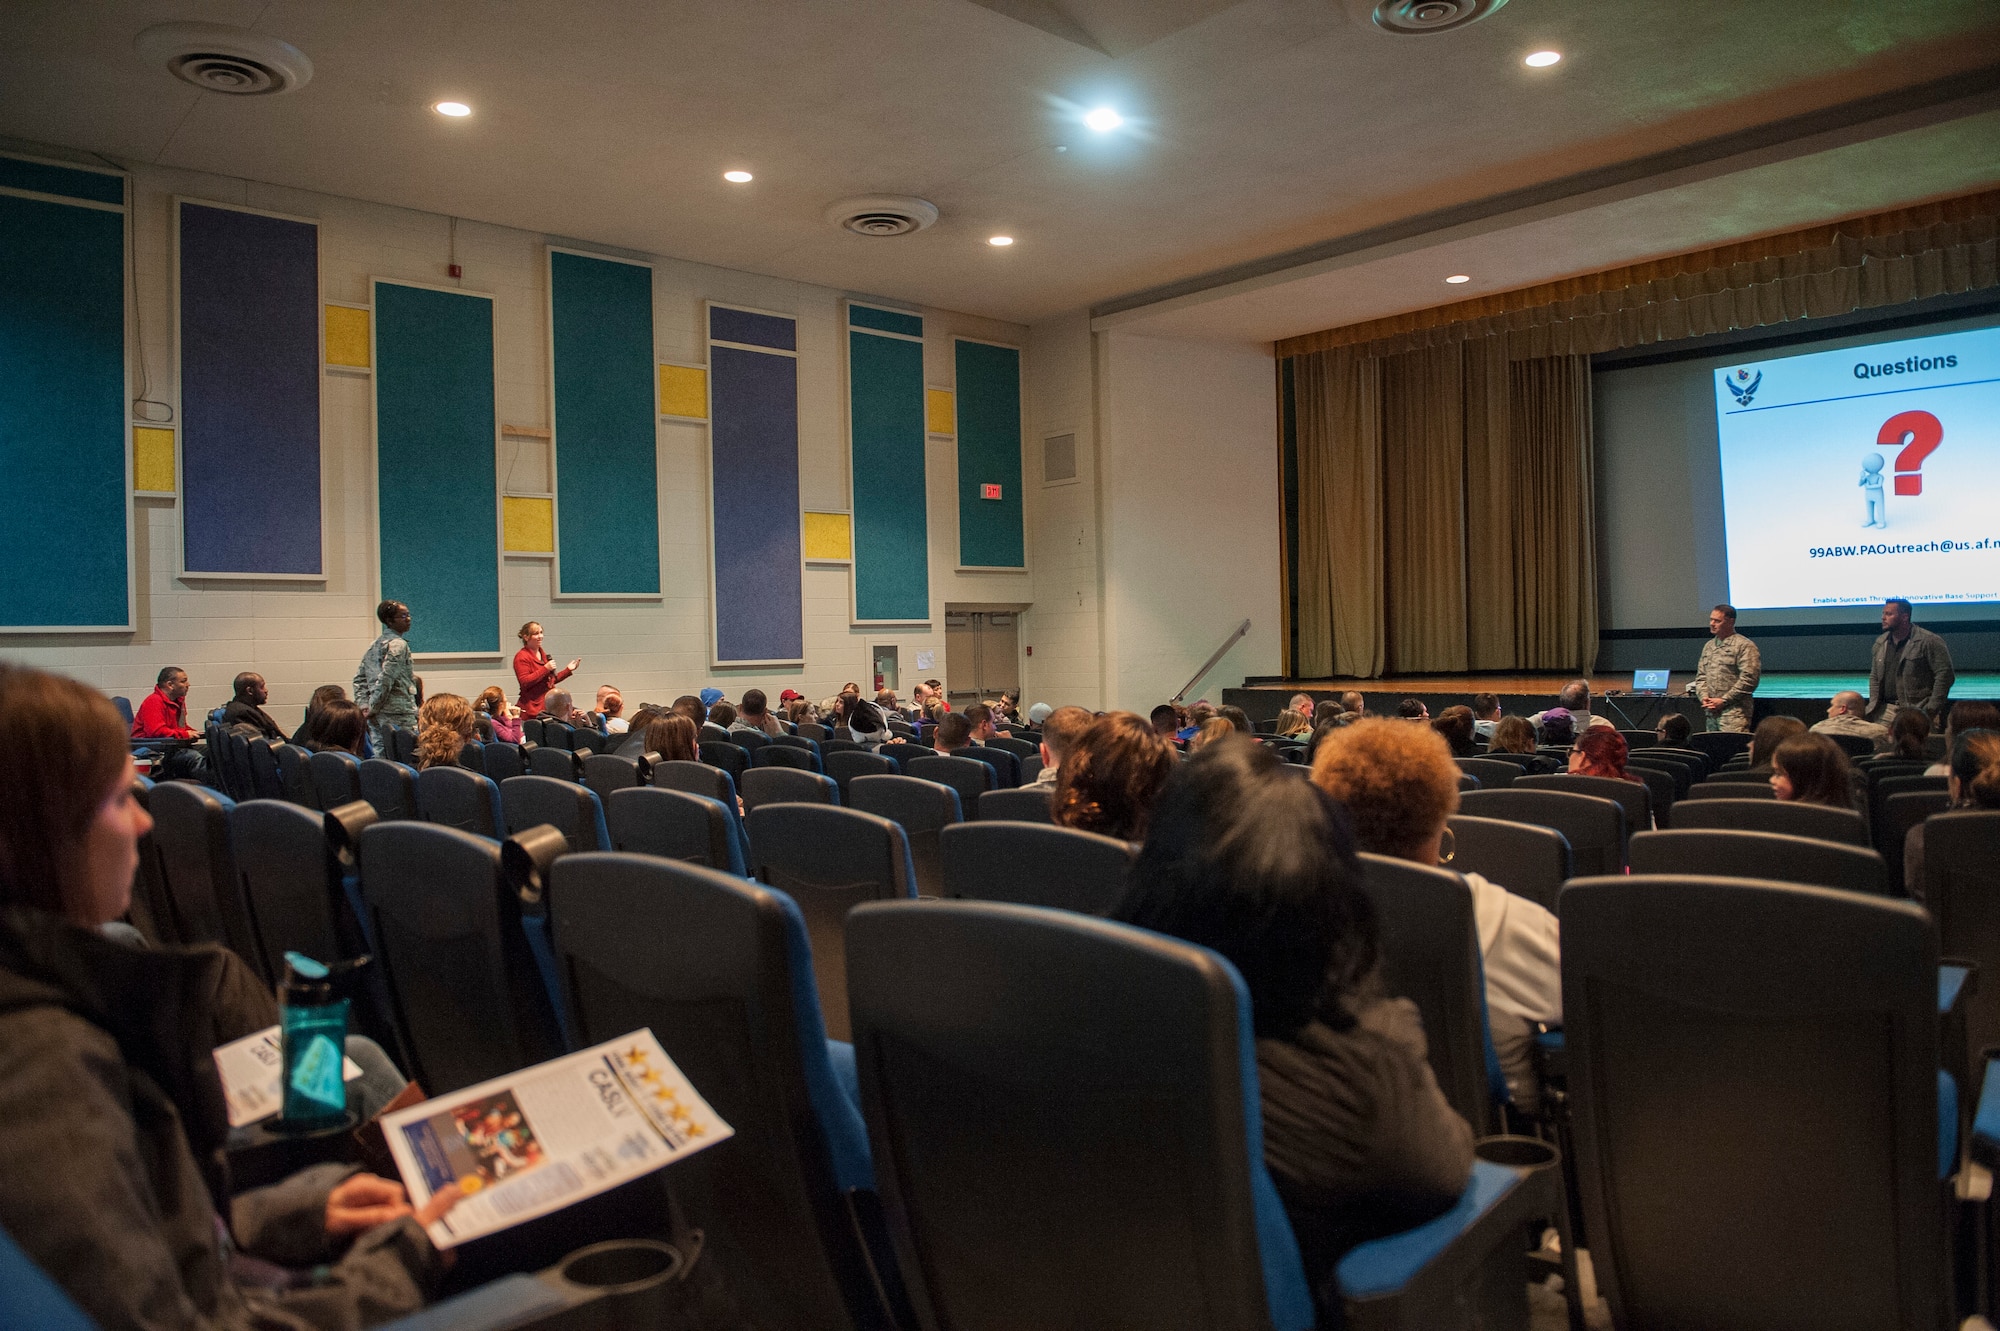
(218, 57)
(882, 214)
(1418, 17)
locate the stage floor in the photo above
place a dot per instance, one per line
(1773, 685)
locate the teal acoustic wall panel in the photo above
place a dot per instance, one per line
(885, 386)
(989, 453)
(65, 539)
(437, 499)
(606, 418)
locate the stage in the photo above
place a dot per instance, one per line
(1800, 694)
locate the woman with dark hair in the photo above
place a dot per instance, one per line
(1908, 733)
(337, 725)
(1358, 1137)
(535, 670)
(321, 696)
(1812, 769)
(1455, 724)
(1111, 776)
(674, 738)
(1973, 783)
(112, 1180)
(1558, 729)
(1601, 751)
(1962, 717)
(1770, 733)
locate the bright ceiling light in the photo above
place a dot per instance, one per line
(999, 240)
(737, 177)
(453, 109)
(1457, 278)
(1542, 59)
(1103, 120)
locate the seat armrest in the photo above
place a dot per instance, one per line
(1956, 979)
(1986, 1113)
(511, 1303)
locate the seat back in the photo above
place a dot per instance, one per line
(1006, 766)
(786, 785)
(291, 880)
(388, 786)
(1719, 746)
(844, 766)
(1020, 748)
(403, 745)
(1042, 1089)
(805, 742)
(1015, 806)
(1773, 856)
(265, 779)
(1772, 815)
(696, 779)
(606, 772)
(1594, 828)
(1900, 813)
(533, 731)
(152, 908)
(295, 773)
(198, 861)
(1713, 789)
(713, 733)
(829, 860)
(472, 757)
(1493, 774)
(968, 776)
(454, 797)
(921, 808)
(336, 779)
(530, 801)
(1679, 777)
(1754, 1079)
(504, 760)
(1034, 864)
(674, 825)
(785, 756)
(721, 972)
(556, 764)
(1636, 799)
(1529, 861)
(1429, 952)
(1740, 775)
(1882, 789)
(814, 730)
(731, 758)
(1962, 891)
(236, 763)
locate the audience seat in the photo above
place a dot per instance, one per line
(533, 731)
(1492, 773)
(1018, 806)
(291, 881)
(675, 825)
(1882, 789)
(721, 971)
(1529, 861)
(295, 773)
(1856, 746)
(1719, 746)
(1006, 766)
(236, 765)
(198, 861)
(828, 859)
(152, 908)
(472, 757)
(1772, 856)
(1744, 776)
(556, 764)
(796, 742)
(711, 733)
(749, 741)
(1034, 864)
(266, 781)
(1020, 748)
(390, 787)
(504, 760)
(1900, 813)
(921, 808)
(573, 810)
(785, 756)
(606, 772)
(814, 730)
(336, 779)
(1594, 827)
(454, 797)
(1962, 893)
(1713, 789)
(1031, 768)
(1771, 815)
(1635, 797)
(1770, 1150)
(1665, 782)
(731, 758)
(843, 765)
(902, 753)
(786, 785)
(969, 777)
(403, 745)
(1887, 767)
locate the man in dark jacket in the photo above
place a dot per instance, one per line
(1911, 667)
(246, 712)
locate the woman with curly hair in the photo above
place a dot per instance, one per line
(444, 727)
(1400, 787)
(1111, 776)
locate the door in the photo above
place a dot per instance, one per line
(982, 655)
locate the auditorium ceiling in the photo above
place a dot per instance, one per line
(1281, 167)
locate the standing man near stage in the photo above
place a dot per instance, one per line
(384, 686)
(1728, 674)
(1911, 668)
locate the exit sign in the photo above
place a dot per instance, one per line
(989, 492)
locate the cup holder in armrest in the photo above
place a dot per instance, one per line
(622, 1266)
(1516, 1152)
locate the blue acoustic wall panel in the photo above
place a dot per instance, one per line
(437, 498)
(989, 453)
(753, 467)
(885, 393)
(250, 363)
(606, 417)
(65, 540)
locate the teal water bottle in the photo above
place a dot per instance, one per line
(312, 1010)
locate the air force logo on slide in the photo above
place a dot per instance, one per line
(1742, 387)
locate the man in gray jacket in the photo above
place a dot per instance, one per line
(1911, 668)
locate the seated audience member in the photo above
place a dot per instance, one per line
(1973, 783)
(1236, 717)
(1111, 777)
(245, 712)
(723, 714)
(498, 720)
(711, 696)
(1844, 716)
(1353, 702)
(1060, 730)
(444, 727)
(866, 724)
(1038, 714)
(1166, 719)
(1400, 787)
(1006, 708)
(693, 708)
(1456, 725)
(1358, 1137)
(754, 713)
(1574, 698)
(1515, 736)
(1485, 716)
(337, 727)
(674, 738)
(321, 696)
(559, 706)
(1962, 717)
(954, 732)
(1556, 730)
(1328, 717)
(1907, 739)
(1601, 751)
(798, 711)
(111, 1180)
(981, 717)
(162, 714)
(1302, 703)
(1770, 733)
(1197, 716)
(1673, 730)
(1811, 769)
(1213, 729)
(1413, 709)
(634, 742)
(1291, 723)
(612, 709)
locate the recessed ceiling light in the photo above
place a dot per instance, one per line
(999, 240)
(737, 177)
(1456, 278)
(452, 109)
(1542, 59)
(1103, 120)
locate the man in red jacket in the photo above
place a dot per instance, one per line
(163, 715)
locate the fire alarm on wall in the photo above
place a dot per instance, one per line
(989, 492)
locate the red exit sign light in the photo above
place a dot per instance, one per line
(989, 492)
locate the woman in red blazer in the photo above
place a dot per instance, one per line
(536, 671)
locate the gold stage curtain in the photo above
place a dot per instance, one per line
(1555, 539)
(1337, 408)
(1423, 501)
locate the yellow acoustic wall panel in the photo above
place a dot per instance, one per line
(530, 524)
(684, 391)
(940, 412)
(829, 536)
(347, 336)
(152, 460)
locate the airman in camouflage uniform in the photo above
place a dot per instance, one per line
(1728, 673)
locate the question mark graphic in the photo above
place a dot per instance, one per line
(1924, 434)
